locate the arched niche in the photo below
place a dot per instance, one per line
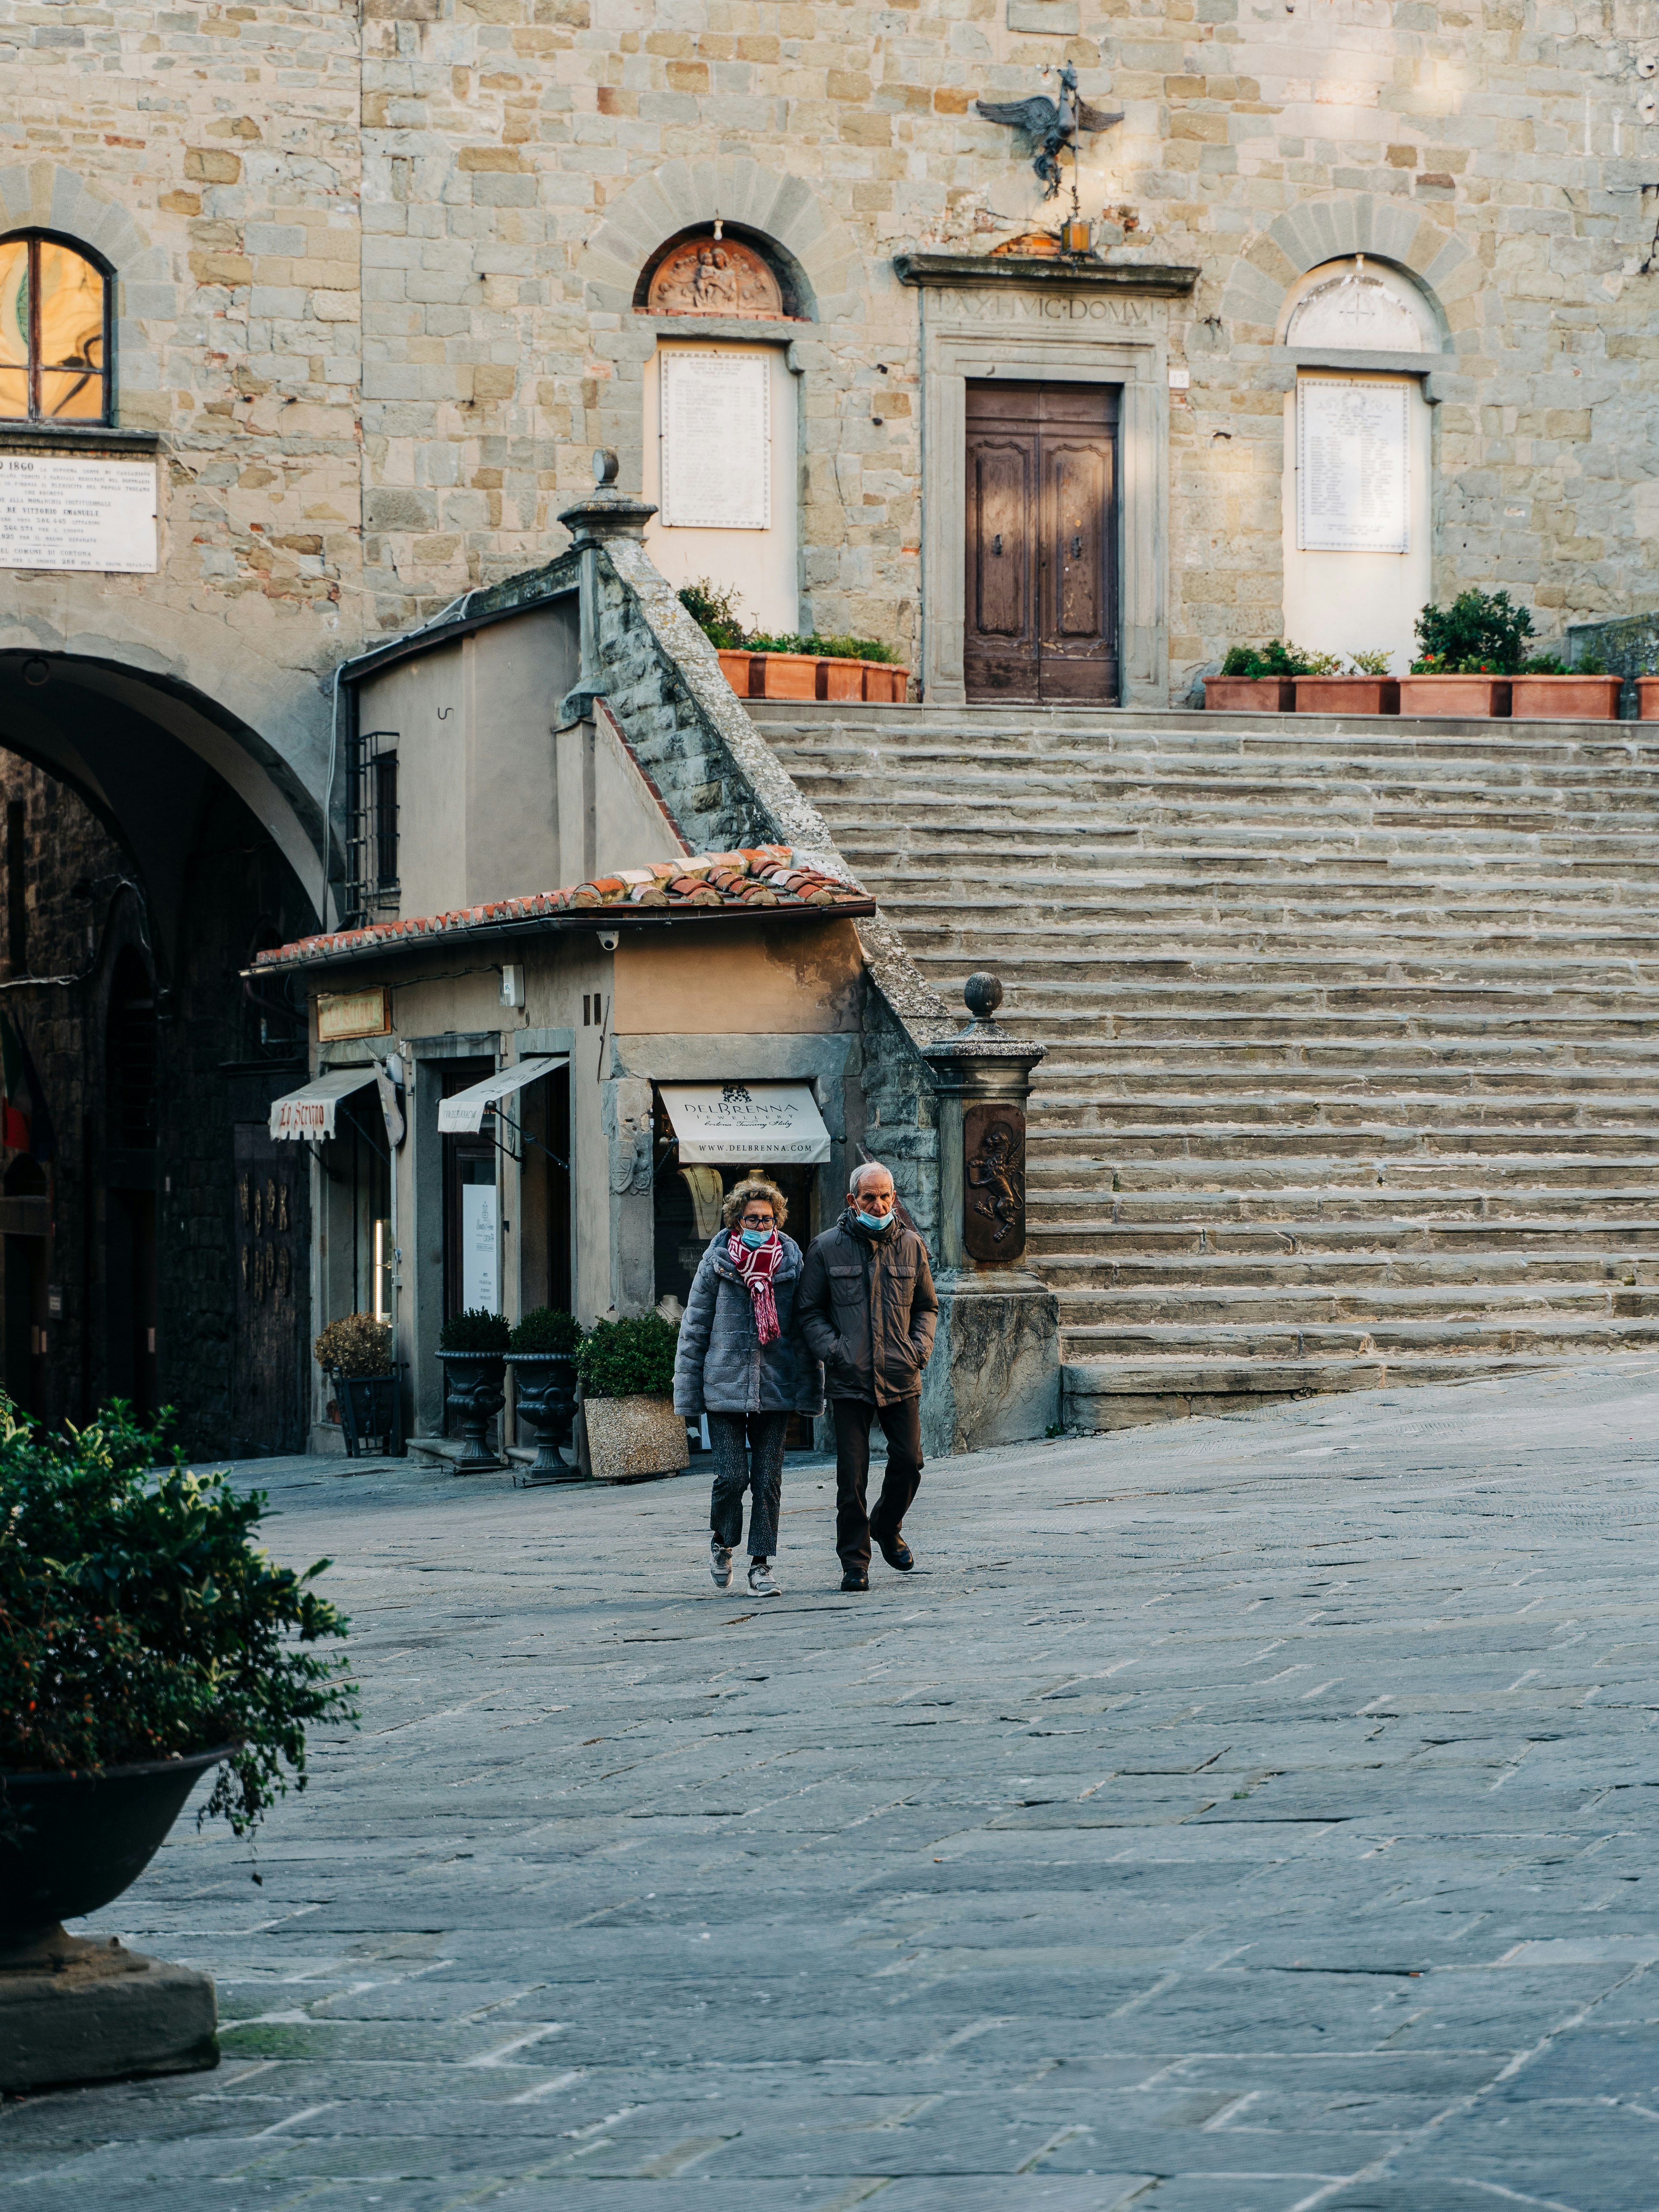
(1360, 304)
(724, 271)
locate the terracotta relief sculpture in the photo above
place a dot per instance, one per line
(714, 277)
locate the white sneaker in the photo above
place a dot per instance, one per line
(760, 1579)
(719, 1563)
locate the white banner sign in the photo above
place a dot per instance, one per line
(753, 1124)
(480, 1280)
(716, 441)
(57, 512)
(1353, 475)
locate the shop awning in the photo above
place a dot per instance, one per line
(309, 1111)
(758, 1124)
(462, 1115)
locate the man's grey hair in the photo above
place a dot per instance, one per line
(855, 1181)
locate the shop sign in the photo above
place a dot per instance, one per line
(761, 1124)
(342, 1014)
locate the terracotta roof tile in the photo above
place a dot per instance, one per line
(759, 876)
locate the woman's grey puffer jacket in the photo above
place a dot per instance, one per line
(721, 1366)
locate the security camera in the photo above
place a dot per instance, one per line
(607, 940)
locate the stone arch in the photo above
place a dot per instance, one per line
(1446, 271)
(42, 195)
(682, 194)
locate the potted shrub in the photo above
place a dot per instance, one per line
(792, 667)
(1470, 651)
(145, 1640)
(715, 611)
(541, 1351)
(472, 1346)
(1257, 680)
(629, 1422)
(1365, 687)
(355, 1352)
(1547, 690)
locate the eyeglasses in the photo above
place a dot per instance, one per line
(757, 1220)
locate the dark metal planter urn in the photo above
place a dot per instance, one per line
(474, 1393)
(72, 2009)
(545, 1399)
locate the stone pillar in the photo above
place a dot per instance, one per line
(625, 1115)
(994, 1376)
(607, 514)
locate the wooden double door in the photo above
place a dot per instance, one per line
(1041, 551)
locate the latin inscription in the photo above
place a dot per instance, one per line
(1000, 306)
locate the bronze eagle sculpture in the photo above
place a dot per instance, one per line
(1050, 125)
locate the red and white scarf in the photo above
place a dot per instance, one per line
(757, 1264)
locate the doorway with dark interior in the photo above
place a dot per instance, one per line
(1042, 596)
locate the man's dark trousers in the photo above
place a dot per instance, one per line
(900, 1424)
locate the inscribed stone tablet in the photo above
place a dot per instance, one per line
(716, 441)
(1354, 479)
(57, 512)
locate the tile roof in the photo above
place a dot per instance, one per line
(762, 876)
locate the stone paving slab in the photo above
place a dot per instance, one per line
(1246, 1816)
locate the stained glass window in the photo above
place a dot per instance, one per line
(54, 350)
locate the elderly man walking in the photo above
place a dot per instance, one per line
(867, 1308)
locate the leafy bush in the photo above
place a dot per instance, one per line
(1369, 663)
(1480, 634)
(622, 1358)
(825, 649)
(355, 1345)
(1277, 658)
(1545, 664)
(546, 1329)
(138, 1620)
(1591, 665)
(474, 1330)
(714, 608)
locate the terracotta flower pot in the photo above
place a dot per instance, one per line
(1468, 695)
(842, 679)
(630, 1439)
(1348, 695)
(734, 667)
(1565, 698)
(783, 676)
(1249, 695)
(1647, 688)
(885, 684)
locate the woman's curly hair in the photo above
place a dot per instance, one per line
(754, 1186)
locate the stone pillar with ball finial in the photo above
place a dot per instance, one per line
(995, 1375)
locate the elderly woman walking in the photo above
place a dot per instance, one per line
(741, 1362)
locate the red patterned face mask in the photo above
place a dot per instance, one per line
(757, 1264)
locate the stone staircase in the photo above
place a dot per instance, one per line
(1352, 1027)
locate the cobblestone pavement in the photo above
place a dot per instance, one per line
(1234, 1817)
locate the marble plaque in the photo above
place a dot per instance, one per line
(56, 511)
(716, 441)
(1353, 467)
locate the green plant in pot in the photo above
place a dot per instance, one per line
(473, 1346)
(541, 1353)
(627, 1371)
(1480, 634)
(145, 1640)
(355, 1352)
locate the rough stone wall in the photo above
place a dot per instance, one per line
(376, 266)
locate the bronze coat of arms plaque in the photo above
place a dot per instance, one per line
(993, 1183)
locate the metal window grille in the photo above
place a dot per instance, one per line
(371, 884)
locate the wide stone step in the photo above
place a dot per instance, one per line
(1124, 1393)
(1327, 1243)
(1507, 1331)
(1485, 1273)
(1314, 1305)
(1202, 1210)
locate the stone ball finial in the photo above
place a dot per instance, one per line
(605, 465)
(982, 994)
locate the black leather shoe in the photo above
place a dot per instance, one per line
(854, 1579)
(896, 1553)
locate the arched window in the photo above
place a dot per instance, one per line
(54, 332)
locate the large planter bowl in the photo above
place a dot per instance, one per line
(1249, 695)
(371, 1408)
(70, 1843)
(1565, 698)
(630, 1439)
(474, 1392)
(1471, 696)
(544, 1399)
(1348, 695)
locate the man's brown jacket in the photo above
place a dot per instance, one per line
(867, 1308)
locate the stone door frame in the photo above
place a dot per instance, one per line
(1050, 336)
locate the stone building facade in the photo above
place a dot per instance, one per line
(380, 278)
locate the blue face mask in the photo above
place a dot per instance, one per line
(873, 1220)
(754, 1238)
